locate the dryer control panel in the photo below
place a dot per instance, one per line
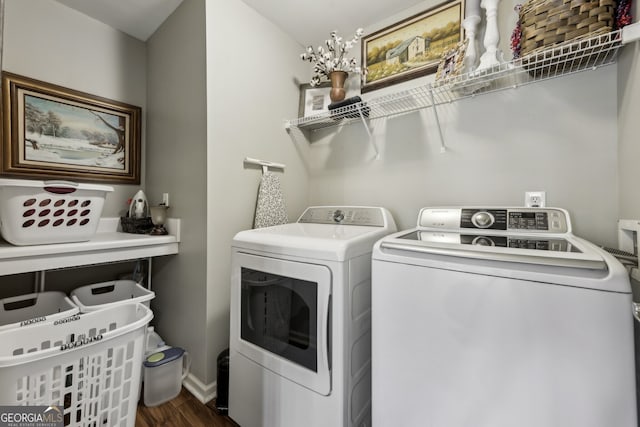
(545, 220)
(344, 215)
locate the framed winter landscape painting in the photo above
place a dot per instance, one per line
(412, 47)
(54, 132)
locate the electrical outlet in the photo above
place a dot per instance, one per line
(165, 199)
(535, 199)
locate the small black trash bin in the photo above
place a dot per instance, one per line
(222, 399)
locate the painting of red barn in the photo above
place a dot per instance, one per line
(412, 47)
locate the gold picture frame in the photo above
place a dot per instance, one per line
(53, 132)
(412, 47)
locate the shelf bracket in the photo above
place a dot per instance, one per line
(443, 148)
(38, 285)
(149, 273)
(368, 129)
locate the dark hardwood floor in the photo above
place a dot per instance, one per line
(183, 411)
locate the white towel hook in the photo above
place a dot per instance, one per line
(265, 164)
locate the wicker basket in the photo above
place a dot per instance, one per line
(547, 23)
(136, 225)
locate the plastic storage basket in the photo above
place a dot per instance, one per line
(108, 294)
(28, 309)
(42, 212)
(89, 365)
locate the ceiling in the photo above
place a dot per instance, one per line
(311, 21)
(306, 21)
(138, 18)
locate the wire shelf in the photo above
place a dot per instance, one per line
(567, 58)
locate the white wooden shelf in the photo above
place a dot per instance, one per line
(585, 54)
(108, 245)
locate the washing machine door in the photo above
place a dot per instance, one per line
(280, 312)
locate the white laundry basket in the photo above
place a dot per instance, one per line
(108, 294)
(89, 365)
(27, 309)
(44, 212)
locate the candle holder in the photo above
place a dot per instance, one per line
(491, 36)
(159, 218)
(470, 25)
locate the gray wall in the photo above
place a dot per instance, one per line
(628, 113)
(197, 153)
(251, 87)
(176, 164)
(47, 41)
(559, 136)
(555, 136)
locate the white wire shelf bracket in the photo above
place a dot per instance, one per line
(568, 58)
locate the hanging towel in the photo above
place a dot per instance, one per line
(270, 209)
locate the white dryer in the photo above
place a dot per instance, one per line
(300, 339)
(500, 317)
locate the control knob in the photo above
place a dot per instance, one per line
(482, 219)
(483, 241)
(338, 216)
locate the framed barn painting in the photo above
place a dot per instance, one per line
(52, 132)
(412, 47)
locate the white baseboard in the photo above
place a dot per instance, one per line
(203, 392)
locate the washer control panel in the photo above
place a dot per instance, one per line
(493, 219)
(372, 217)
(549, 220)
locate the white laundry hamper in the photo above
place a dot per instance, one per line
(45, 212)
(89, 365)
(24, 310)
(98, 296)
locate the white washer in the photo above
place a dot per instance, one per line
(500, 317)
(300, 341)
